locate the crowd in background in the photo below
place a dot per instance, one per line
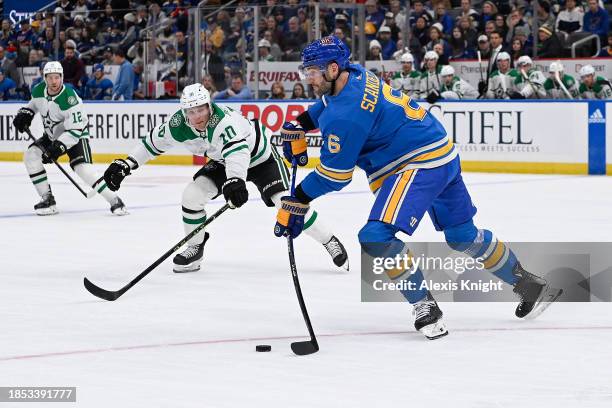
(100, 33)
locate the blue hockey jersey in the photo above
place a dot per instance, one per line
(377, 128)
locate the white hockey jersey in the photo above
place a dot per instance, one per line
(531, 87)
(229, 138)
(500, 84)
(62, 115)
(458, 89)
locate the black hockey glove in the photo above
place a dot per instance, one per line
(116, 172)
(53, 152)
(482, 88)
(23, 120)
(516, 95)
(433, 96)
(235, 192)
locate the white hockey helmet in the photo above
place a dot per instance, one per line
(407, 57)
(503, 56)
(586, 70)
(431, 55)
(524, 60)
(194, 95)
(53, 67)
(556, 66)
(447, 70)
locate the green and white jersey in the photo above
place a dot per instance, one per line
(601, 89)
(501, 84)
(229, 138)
(407, 83)
(62, 115)
(554, 90)
(430, 81)
(531, 87)
(458, 89)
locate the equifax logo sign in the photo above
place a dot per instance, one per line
(597, 117)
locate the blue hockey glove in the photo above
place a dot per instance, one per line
(290, 217)
(293, 137)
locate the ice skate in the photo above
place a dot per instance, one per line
(535, 294)
(336, 250)
(46, 206)
(428, 318)
(189, 260)
(118, 208)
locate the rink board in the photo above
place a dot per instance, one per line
(492, 136)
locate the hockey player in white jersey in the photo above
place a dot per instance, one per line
(560, 85)
(238, 149)
(408, 79)
(592, 86)
(529, 82)
(430, 82)
(501, 81)
(454, 87)
(65, 132)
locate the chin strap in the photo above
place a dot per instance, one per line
(333, 81)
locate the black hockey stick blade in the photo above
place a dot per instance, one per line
(101, 293)
(303, 348)
(114, 295)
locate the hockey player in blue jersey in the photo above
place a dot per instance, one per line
(412, 168)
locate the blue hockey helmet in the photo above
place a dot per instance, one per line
(324, 51)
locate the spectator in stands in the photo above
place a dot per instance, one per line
(443, 18)
(436, 37)
(607, 51)
(419, 10)
(386, 42)
(489, 10)
(209, 84)
(107, 20)
(421, 30)
(47, 41)
(570, 19)
(467, 11)
(124, 86)
(131, 31)
(156, 15)
(375, 53)
(298, 91)
(212, 64)
(236, 91)
(293, 41)
(516, 20)
(8, 65)
(596, 20)
(7, 87)
(517, 50)
(6, 34)
(544, 16)
(374, 14)
(390, 22)
(489, 27)
(264, 50)
(33, 58)
(107, 56)
(142, 16)
(459, 46)
(277, 91)
(522, 34)
(500, 25)
(273, 28)
(80, 9)
(25, 36)
(549, 45)
(399, 14)
(182, 52)
(469, 33)
(99, 88)
(74, 68)
(442, 55)
(66, 6)
(39, 78)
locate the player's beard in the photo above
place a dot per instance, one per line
(324, 88)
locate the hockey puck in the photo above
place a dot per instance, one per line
(263, 347)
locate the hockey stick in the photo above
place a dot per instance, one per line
(301, 348)
(114, 295)
(565, 91)
(87, 195)
(480, 69)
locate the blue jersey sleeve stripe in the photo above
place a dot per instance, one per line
(333, 176)
(336, 170)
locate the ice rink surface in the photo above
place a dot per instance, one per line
(189, 340)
